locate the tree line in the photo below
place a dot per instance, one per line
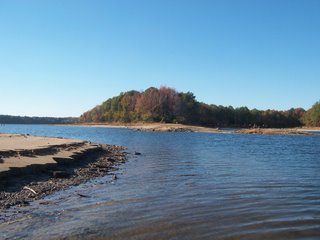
(169, 106)
(7, 119)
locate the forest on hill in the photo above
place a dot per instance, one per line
(167, 105)
(7, 119)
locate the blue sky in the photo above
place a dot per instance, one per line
(61, 58)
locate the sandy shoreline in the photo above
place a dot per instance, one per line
(170, 127)
(33, 167)
(18, 152)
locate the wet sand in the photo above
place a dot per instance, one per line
(33, 167)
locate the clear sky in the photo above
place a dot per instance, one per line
(63, 57)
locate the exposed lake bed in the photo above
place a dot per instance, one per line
(175, 127)
(34, 167)
(183, 186)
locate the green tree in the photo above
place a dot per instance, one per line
(312, 116)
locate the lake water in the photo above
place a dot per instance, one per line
(184, 186)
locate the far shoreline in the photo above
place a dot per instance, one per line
(172, 127)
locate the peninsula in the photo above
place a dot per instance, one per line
(166, 105)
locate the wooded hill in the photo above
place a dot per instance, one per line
(167, 105)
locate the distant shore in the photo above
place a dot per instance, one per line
(33, 167)
(171, 127)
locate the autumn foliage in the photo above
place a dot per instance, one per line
(167, 105)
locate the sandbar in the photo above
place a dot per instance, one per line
(33, 167)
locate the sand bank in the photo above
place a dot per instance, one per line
(33, 167)
(18, 152)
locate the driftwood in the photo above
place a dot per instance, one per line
(30, 189)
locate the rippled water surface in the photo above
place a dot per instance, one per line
(184, 186)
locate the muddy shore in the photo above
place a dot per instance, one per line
(35, 167)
